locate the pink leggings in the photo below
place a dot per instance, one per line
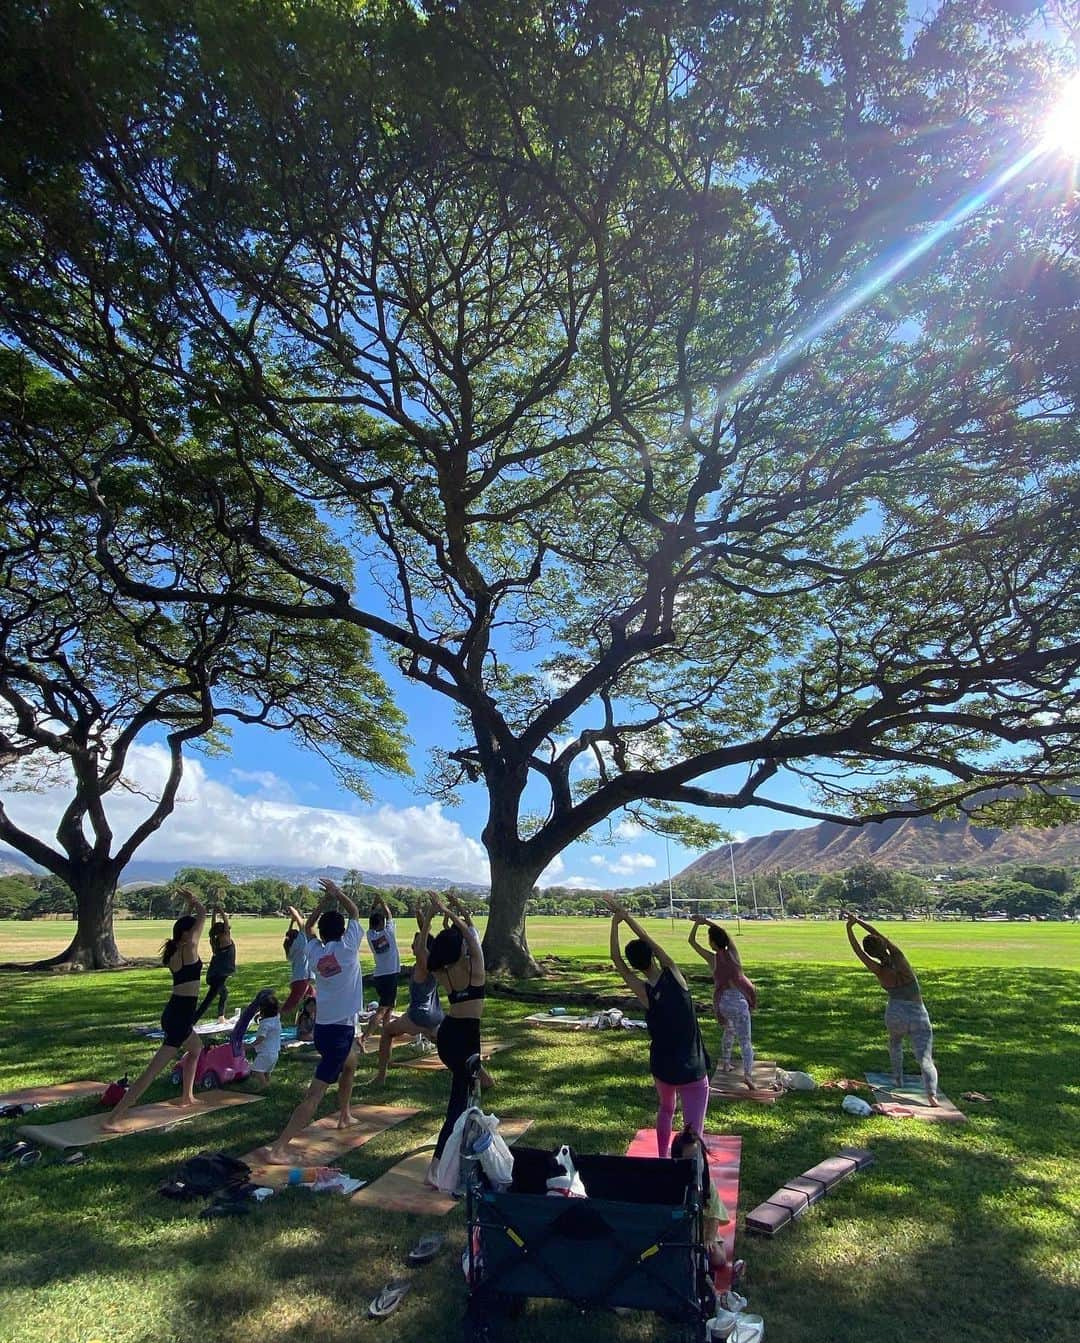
(694, 1099)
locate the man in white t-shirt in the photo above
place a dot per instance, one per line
(382, 939)
(333, 958)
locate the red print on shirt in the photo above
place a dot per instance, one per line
(328, 966)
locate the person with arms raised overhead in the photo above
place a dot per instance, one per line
(334, 956)
(677, 1055)
(734, 997)
(905, 1011)
(181, 955)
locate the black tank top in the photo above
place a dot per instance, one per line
(676, 1050)
(190, 972)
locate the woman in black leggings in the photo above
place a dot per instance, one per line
(222, 963)
(456, 960)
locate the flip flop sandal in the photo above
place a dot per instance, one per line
(14, 1150)
(14, 1111)
(389, 1299)
(426, 1249)
(73, 1159)
(30, 1157)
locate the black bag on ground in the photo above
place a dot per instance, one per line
(206, 1174)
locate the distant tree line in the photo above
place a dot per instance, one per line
(1028, 891)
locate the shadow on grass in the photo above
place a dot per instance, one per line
(963, 1232)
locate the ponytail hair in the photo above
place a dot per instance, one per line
(183, 924)
(687, 1146)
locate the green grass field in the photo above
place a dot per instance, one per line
(1053, 945)
(960, 1233)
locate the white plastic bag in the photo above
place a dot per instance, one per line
(495, 1156)
(448, 1173)
(796, 1081)
(855, 1105)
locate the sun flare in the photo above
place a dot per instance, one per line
(1062, 130)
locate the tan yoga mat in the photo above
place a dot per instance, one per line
(731, 1087)
(402, 1187)
(55, 1094)
(909, 1101)
(432, 1062)
(321, 1143)
(142, 1119)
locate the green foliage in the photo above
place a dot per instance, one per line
(502, 294)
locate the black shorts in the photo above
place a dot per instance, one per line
(178, 1019)
(334, 1044)
(386, 987)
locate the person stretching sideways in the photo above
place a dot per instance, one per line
(425, 1012)
(905, 1012)
(734, 997)
(334, 956)
(382, 939)
(677, 1055)
(181, 954)
(296, 948)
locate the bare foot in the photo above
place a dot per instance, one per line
(429, 1177)
(113, 1125)
(748, 1083)
(347, 1120)
(933, 1100)
(274, 1156)
(728, 1067)
(184, 1102)
(486, 1080)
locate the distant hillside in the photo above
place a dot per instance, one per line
(141, 872)
(918, 843)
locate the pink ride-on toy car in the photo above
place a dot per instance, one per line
(217, 1065)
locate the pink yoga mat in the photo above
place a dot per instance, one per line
(724, 1154)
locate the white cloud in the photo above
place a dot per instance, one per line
(213, 822)
(581, 884)
(628, 830)
(267, 783)
(625, 864)
(632, 862)
(551, 874)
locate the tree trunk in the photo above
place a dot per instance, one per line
(506, 947)
(93, 947)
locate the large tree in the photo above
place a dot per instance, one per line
(561, 312)
(87, 674)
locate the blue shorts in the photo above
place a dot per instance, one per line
(334, 1044)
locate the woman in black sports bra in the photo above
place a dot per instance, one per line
(456, 959)
(181, 954)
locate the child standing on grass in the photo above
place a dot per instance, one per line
(267, 1041)
(296, 949)
(687, 1146)
(382, 939)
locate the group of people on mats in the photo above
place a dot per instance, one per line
(447, 989)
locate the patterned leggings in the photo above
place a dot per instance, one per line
(733, 1013)
(911, 1019)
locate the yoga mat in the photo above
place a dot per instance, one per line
(724, 1155)
(730, 1086)
(912, 1097)
(160, 1115)
(568, 1023)
(432, 1062)
(150, 1031)
(55, 1094)
(402, 1187)
(321, 1143)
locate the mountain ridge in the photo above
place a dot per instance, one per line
(911, 843)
